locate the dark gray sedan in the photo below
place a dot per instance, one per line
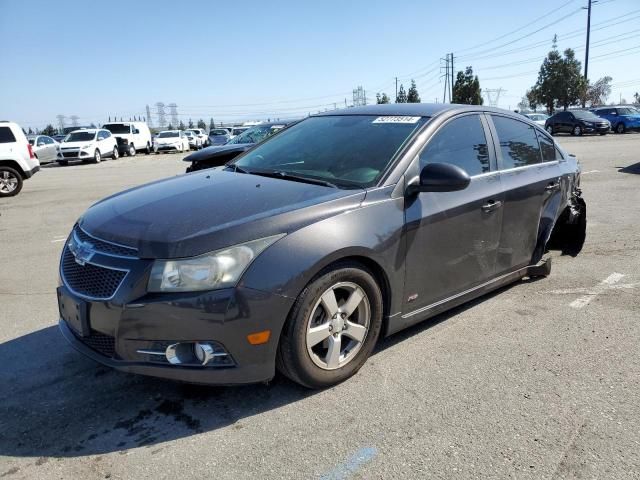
(343, 228)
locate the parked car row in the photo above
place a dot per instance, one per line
(598, 120)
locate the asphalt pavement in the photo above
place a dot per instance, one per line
(538, 380)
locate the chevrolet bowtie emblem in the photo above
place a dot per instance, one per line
(82, 251)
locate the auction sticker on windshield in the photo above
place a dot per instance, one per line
(396, 119)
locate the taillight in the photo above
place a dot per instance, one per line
(31, 155)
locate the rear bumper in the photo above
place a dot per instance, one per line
(31, 173)
(225, 317)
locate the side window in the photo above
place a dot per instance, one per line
(518, 143)
(547, 148)
(106, 133)
(6, 135)
(461, 142)
(48, 140)
(101, 135)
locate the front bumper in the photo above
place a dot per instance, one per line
(165, 148)
(119, 326)
(596, 128)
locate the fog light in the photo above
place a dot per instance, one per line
(203, 352)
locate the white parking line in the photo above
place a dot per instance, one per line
(590, 171)
(606, 284)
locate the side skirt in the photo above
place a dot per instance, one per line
(400, 322)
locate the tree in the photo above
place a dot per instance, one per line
(384, 98)
(49, 130)
(532, 98)
(30, 131)
(402, 95)
(412, 94)
(201, 124)
(181, 125)
(560, 83)
(191, 123)
(597, 93)
(467, 90)
(212, 124)
(523, 104)
(170, 127)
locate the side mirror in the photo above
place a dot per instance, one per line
(439, 177)
(136, 131)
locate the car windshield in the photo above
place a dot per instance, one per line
(117, 128)
(585, 115)
(218, 132)
(627, 111)
(256, 134)
(168, 134)
(347, 151)
(80, 136)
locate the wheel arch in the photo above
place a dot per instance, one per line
(13, 164)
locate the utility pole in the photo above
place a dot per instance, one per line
(396, 100)
(586, 53)
(446, 79)
(452, 80)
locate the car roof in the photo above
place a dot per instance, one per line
(413, 109)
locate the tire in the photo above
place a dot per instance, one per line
(63, 163)
(603, 133)
(132, 150)
(577, 131)
(549, 129)
(97, 158)
(354, 335)
(115, 154)
(147, 150)
(10, 182)
(620, 128)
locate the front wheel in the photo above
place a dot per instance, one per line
(10, 182)
(333, 327)
(550, 129)
(577, 130)
(620, 128)
(147, 150)
(97, 158)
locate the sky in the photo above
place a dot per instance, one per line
(253, 60)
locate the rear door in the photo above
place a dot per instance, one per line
(453, 237)
(528, 183)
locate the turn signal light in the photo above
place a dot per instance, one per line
(259, 338)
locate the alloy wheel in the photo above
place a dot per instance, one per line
(116, 154)
(577, 130)
(8, 182)
(338, 325)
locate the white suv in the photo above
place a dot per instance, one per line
(88, 145)
(17, 161)
(202, 135)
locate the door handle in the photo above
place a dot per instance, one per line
(552, 186)
(490, 206)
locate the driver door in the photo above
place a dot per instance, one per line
(453, 237)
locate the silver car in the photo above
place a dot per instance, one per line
(44, 147)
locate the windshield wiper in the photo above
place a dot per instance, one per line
(295, 178)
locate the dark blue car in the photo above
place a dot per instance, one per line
(622, 119)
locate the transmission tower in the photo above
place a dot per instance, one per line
(74, 120)
(173, 111)
(493, 95)
(359, 97)
(162, 119)
(61, 121)
(148, 119)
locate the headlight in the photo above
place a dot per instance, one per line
(219, 269)
(85, 146)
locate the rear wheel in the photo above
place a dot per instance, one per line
(132, 150)
(620, 128)
(10, 182)
(115, 154)
(147, 150)
(333, 327)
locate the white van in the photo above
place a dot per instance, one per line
(131, 137)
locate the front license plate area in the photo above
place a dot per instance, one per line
(75, 313)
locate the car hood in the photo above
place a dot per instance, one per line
(167, 140)
(76, 144)
(216, 151)
(204, 211)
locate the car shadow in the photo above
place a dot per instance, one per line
(57, 403)
(634, 169)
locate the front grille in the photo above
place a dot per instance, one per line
(104, 247)
(101, 343)
(70, 154)
(90, 280)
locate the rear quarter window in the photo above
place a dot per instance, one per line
(6, 135)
